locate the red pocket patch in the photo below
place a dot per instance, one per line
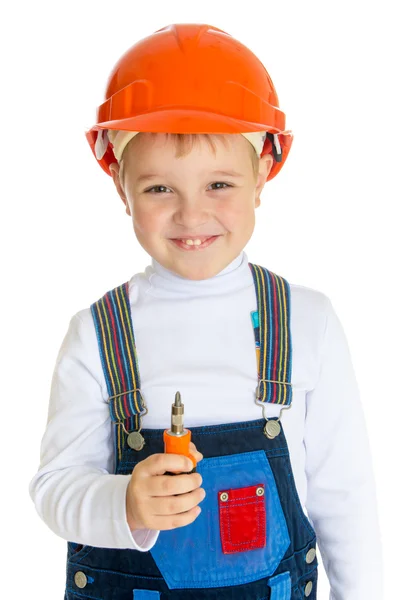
(242, 518)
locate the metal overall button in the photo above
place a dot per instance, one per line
(80, 579)
(310, 555)
(272, 427)
(134, 439)
(308, 588)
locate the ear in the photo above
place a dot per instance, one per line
(265, 167)
(115, 173)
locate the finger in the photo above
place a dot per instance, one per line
(167, 522)
(158, 464)
(173, 505)
(196, 454)
(165, 485)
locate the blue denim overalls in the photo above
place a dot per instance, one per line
(252, 540)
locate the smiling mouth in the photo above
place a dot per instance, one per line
(193, 244)
(193, 237)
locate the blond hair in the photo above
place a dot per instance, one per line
(184, 143)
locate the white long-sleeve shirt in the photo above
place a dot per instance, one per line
(197, 337)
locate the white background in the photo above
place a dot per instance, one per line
(329, 220)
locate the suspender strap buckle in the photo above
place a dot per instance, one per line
(276, 392)
(127, 404)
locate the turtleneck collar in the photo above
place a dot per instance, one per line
(234, 276)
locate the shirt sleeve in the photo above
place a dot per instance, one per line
(341, 496)
(75, 490)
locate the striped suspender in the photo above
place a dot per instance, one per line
(116, 341)
(272, 330)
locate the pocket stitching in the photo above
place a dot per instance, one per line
(260, 517)
(249, 544)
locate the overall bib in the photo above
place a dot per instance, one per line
(252, 540)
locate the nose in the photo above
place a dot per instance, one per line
(192, 212)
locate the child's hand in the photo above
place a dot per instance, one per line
(158, 501)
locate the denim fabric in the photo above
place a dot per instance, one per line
(281, 586)
(115, 574)
(145, 595)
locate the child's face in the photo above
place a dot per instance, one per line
(182, 201)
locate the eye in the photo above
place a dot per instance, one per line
(221, 183)
(162, 188)
(150, 190)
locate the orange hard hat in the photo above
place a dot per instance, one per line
(191, 78)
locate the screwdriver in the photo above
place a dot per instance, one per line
(177, 439)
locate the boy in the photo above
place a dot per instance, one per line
(268, 443)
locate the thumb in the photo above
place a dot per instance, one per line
(196, 454)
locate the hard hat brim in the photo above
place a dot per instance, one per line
(186, 121)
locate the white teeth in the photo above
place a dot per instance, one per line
(192, 242)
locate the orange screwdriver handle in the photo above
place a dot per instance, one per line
(179, 445)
